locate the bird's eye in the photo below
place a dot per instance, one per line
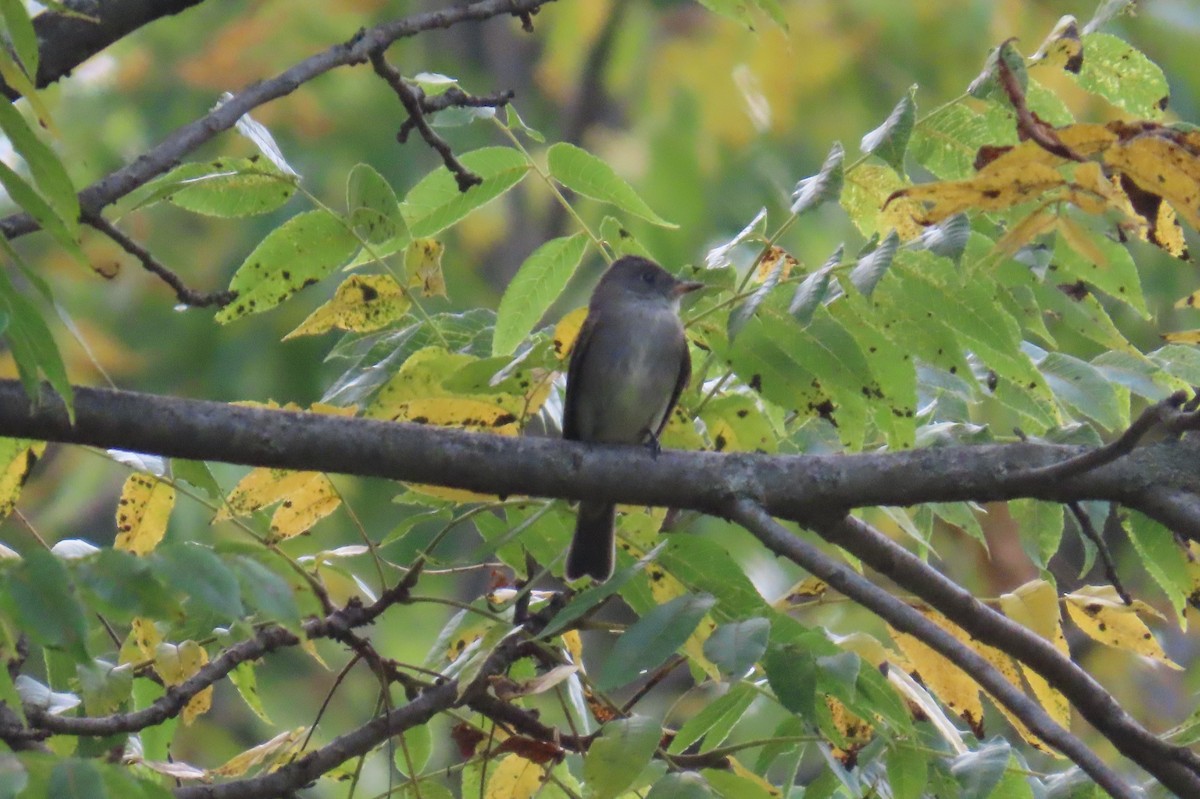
(648, 278)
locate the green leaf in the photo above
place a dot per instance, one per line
(267, 592)
(907, 772)
(734, 786)
(435, 203)
(1116, 276)
(105, 687)
(1163, 558)
(32, 344)
(1040, 525)
(615, 759)
(44, 604)
(717, 718)
(889, 141)
(122, 585)
(946, 142)
(620, 240)
(230, 187)
(811, 292)
(21, 33)
(979, 772)
(245, 680)
(534, 288)
(372, 207)
(1122, 75)
(680, 785)
(822, 187)
(792, 675)
(413, 748)
(1137, 373)
(44, 165)
(1081, 386)
(652, 639)
(584, 173)
(298, 253)
(197, 572)
(1180, 361)
(76, 779)
(42, 212)
(871, 267)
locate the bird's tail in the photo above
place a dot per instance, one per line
(592, 549)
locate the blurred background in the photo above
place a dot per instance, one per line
(709, 120)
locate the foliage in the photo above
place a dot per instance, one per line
(1001, 267)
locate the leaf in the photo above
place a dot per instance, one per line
(680, 785)
(18, 456)
(423, 262)
(736, 423)
(413, 748)
(1091, 256)
(228, 188)
(907, 772)
(1081, 386)
(74, 778)
(979, 772)
(717, 718)
(620, 240)
(32, 344)
(871, 267)
(584, 173)
(737, 646)
(245, 680)
(304, 499)
(1034, 605)
(652, 639)
(890, 140)
(177, 663)
(298, 253)
(362, 303)
(946, 142)
(823, 186)
(265, 592)
(44, 164)
(514, 777)
(142, 513)
(22, 34)
(1040, 525)
(1099, 612)
(536, 285)
(197, 572)
(372, 207)
(615, 759)
(1162, 556)
(281, 748)
(865, 198)
(435, 203)
(993, 189)
(776, 265)
(1122, 75)
(44, 603)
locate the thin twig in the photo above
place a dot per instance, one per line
(1089, 530)
(453, 97)
(464, 177)
(187, 296)
(1161, 413)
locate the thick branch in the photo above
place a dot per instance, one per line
(906, 619)
(187, 138)
(1158, 479)
(1175, 767)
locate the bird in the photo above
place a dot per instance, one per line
(628, 367)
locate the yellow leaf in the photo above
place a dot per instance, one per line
(1081, 241)
(852, 728)
(419, 377)
(20, 455)
(468, 414)
(423, 260)
(514, 778)
(945, 680)
(1085, 139)
(1025, 231)
(771, 260)
(566, 331)
(278, 749)
(1099, 612)
(573, 642)
(1035, 606)
(142, 642)
(175, 664)
(142, 513)
(807, 589)
(737, 768)
(866, 646)
(362, 303)
(1167, 233)
(1184, 336)
(865, 194)
(990, 190)
(306, 506)
(1163, 168)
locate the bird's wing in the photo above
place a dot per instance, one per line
(685, 374)
(570, 425)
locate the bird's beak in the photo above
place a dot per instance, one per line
(686, 288)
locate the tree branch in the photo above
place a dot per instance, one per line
(905, 618)
(187, 138)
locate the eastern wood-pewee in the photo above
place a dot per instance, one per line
(628, 367)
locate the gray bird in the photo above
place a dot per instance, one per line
(628, 368)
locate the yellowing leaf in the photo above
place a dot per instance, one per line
(1099, 612)
(772, 260)
(468, 414)
(1184, 336)
(420, 377)
(142, 513)
(573, 642)
(737, 768)
(175, 664)
(1162, 168)
(20, 455)
(1035, 606)
(566, 331)
(276, 750)
(307, 498)
(362, 303)
(423, 261)
(1026, 230)
(303, 508)
(142, 642)
(990, 190)
(865, 198)
(514, 778)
